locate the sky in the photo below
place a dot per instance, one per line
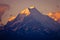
(44, 6)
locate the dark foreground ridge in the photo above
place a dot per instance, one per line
(36, 26)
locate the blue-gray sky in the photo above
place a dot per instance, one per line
(44, 6)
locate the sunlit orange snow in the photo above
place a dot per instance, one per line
(54, 15)
(11, 18)
(25, 12)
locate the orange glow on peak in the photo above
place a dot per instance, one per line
(50, 14)
(25, 12)
(54, 15)
(12, 18)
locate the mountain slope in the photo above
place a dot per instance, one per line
(44, 20)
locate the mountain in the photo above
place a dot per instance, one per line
(34, 26)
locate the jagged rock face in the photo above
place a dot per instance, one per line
(13, 24)
(35, 25)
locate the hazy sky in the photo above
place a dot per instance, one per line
(44, 6)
